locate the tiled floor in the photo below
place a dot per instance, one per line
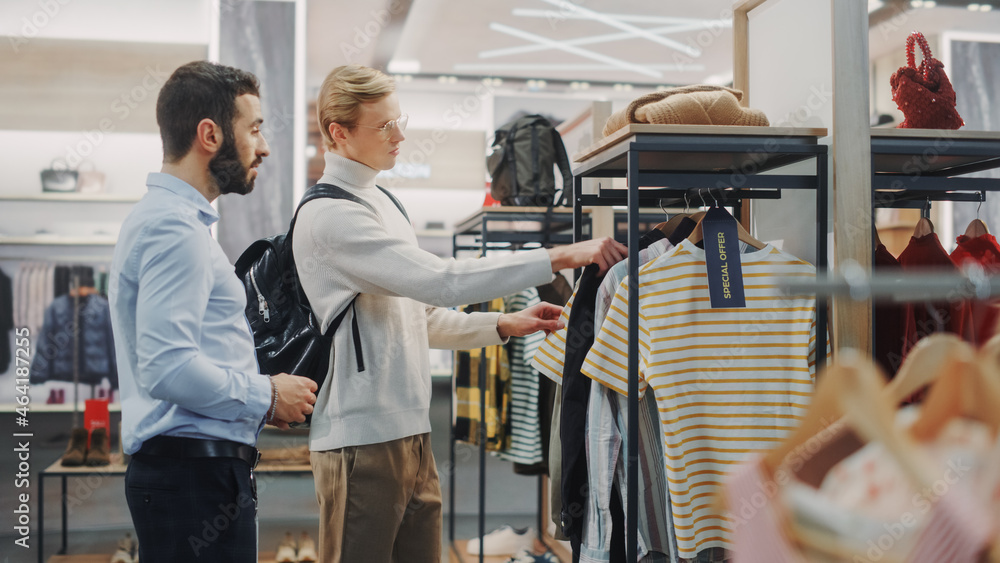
(98, 516)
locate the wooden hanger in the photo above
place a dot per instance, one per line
(924, 227)
(976, 229)
(968, 388)
(698, 234)
(924, 364)
(671, 225)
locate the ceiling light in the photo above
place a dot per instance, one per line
(661, 88)
(985, 7)
(403, 66)
(929, 3)
(916, 3)
(452, 79)
(443, 79)
(584, 85)
(973, 7)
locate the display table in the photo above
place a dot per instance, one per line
(116, 469)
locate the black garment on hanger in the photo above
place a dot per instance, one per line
(53, 358)
(557, 292)
(575, 397)
(682, 231)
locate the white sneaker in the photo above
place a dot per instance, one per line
(505, 540)
(286, 550)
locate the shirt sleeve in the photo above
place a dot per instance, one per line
(373, 261)
(453, 330)
(175, 280)
(607, 361)
(550, 357)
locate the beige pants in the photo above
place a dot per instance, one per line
(379, 503)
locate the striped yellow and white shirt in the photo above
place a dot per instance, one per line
(727, 382)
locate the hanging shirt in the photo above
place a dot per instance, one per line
(982, 250)
(607, 445)
(923, 254)
(889, 319)
(525, 422)
(466, 392)
(728, 382)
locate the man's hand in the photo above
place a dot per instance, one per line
(296, 397)
(605, 252)
(543, 316)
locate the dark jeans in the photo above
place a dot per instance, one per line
(195, 509)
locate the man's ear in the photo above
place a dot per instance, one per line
(208, 136)
(338, 132)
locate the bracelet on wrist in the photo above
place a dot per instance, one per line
(274, 404)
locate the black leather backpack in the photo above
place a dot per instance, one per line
(287, 335)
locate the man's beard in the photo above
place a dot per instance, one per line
(229, 173)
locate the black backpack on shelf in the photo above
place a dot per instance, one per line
(524, 152)
(287, 335)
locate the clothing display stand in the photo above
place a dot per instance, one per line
(724, 163)
(501, 228)
(913, 167)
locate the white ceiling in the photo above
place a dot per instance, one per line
(647, 42)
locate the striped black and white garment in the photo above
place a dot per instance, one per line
(526, 430)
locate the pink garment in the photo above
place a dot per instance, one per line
(958, 528)
(758, 534)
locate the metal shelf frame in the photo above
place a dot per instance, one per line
(502, 228)
(733, 166)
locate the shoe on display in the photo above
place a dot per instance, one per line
(525, 556)
(76, 452)
(505, 540)
(307, 549)
(125, 550)
(286, 550)
(98, 453)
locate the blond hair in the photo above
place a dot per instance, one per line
(342, 93)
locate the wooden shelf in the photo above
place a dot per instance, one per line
(72, 197)
(716, 132)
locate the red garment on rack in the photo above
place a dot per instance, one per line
(923, 254)
(889, 319)
(982, 250)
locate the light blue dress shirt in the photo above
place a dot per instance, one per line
(186, 358)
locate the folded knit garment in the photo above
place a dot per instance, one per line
(688, 105)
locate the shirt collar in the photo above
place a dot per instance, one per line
(206, 213)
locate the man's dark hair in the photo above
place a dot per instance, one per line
(196, 91)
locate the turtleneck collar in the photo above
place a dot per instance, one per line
(340, 170)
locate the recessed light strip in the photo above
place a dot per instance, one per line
(575, 50)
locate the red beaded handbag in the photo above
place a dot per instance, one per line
(924, 94)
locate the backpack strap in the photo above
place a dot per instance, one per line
(336, 192)
(562, 161)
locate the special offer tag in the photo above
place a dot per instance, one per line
(722, 254)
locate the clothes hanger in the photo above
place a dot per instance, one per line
(923, 365)
(977, 228)
(670, 225)
(924, 226)
(698, 234)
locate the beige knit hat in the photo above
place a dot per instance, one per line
(688, 105)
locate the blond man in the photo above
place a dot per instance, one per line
(376, 480)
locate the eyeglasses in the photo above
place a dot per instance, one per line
(390, 127)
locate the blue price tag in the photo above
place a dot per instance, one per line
(722, 254)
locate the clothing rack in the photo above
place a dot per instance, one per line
(911, 168)
(725, 161)
(502, 228)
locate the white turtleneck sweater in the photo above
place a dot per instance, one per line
(341, 249)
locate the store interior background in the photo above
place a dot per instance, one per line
(79, 79)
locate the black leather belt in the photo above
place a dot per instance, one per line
(176, 447)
